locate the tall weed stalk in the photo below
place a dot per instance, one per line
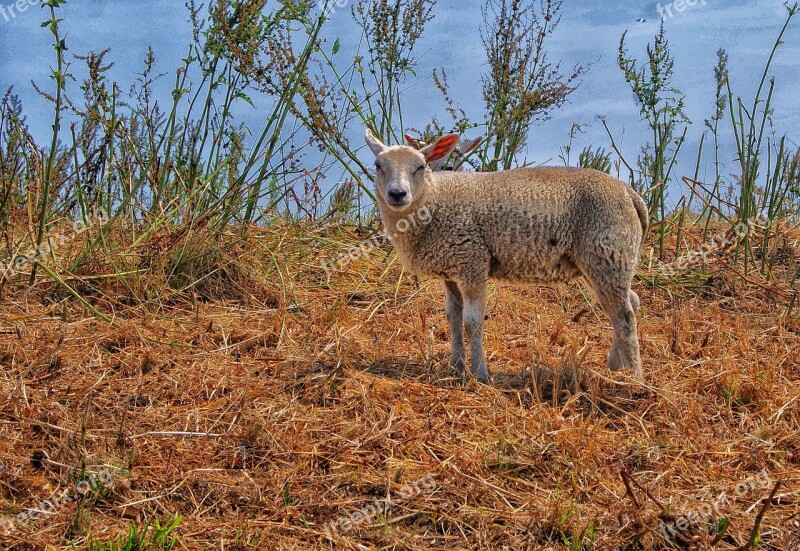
(750, 125)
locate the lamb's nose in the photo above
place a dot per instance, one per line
(397, 195)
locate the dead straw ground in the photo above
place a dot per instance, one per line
(261, 400)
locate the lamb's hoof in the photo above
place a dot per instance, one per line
(458, 372)
(615, 366)
(614, 362)
(633, 373)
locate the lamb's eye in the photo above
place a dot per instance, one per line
(378, 167)
(419, 169)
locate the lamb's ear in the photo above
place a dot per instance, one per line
(411, 141)
(440, 149)
(374, 143)
(467, 147)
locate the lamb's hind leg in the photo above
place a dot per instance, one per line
(620, 306)
(613, 290)
(474, 313)
(454, 308)
(617, 361)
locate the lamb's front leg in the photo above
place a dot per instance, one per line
(474, 314)
(454, 308)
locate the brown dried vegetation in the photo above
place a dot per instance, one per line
(265, 399)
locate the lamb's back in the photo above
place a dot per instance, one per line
(522, 226)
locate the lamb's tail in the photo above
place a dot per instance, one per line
(641, 210)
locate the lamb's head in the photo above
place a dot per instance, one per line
(402, 172)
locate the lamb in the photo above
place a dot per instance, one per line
(521, 226)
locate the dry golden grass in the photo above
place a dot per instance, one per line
(268, 400)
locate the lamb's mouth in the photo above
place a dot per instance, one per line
(396, 204)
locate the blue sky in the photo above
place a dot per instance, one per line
(589, 33)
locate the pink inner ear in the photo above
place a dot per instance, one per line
(442, 148)
(411, 141)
